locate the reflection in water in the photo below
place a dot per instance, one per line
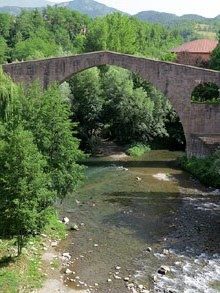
(122, 217)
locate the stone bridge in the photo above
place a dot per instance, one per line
(201, 122)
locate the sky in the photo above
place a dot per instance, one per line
(207, 8)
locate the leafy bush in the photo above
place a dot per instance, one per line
(138, 150)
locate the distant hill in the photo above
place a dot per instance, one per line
(89, 7)
(156, 17)
(169, 18)
(10, 10)
(25, 3)
(193, 17)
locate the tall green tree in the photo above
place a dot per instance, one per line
(215, 57)
(129, 111)
(87, 102)
(47, 115)
(26, 198)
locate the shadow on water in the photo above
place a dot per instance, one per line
(191, 229)
(130, 164)
(148, 215)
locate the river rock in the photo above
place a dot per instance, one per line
(166, 252)
(130, 285)
(74, 227)
(141, 287)
(117, 268)
(126, 279)
(68, 272)
(66, 220)
(66, 255)
(54, 243)
(109, 280)
(163, 270)
(117, 277)
(149, 249)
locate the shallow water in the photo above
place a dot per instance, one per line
(123, 208)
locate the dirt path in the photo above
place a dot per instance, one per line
(54, 282)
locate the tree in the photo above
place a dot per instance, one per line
(129, 111)
(38, 45)
(215, 57)
(87, 102)
(3, 50)
(47, 115)
(25, 195)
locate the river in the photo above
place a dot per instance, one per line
(135, 215)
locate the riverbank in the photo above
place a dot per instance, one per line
(52, 265)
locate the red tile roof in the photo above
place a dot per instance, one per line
(197, 46)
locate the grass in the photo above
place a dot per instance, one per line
(24, 273)
(138, 150)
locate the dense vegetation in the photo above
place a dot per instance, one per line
(57, 31)
(207, 169)
(114, 103)
(38, 155)
(215, 60)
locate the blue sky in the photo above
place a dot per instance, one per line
(208, 8)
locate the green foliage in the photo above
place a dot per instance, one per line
(55, 30)
(129, 111)
(138, 150)
(38, 155)
(115, 103)
(25, 194)
(3, 50)
(35, 47)
(87, 102)
(54, 228)
(207, 93)
(207, 169)
(47, 116)
(215, 57)
(126, 34)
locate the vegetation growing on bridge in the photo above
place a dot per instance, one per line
(207, 93)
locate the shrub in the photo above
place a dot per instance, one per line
(138, 150)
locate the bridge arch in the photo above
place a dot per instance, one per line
(201, 123)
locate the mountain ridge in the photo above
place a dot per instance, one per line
(93, 9)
